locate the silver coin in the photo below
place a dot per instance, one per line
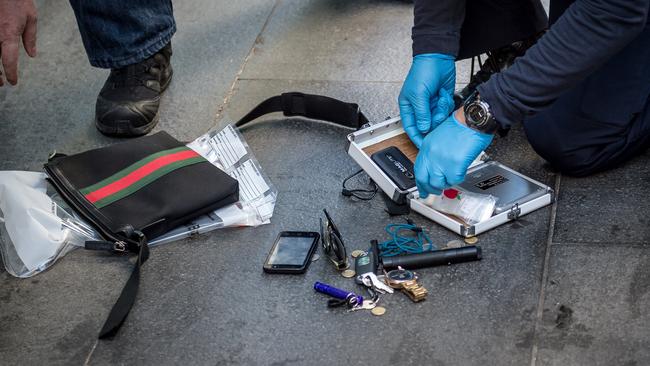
(315, 257)
(454, 244)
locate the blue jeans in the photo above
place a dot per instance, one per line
(120, 33)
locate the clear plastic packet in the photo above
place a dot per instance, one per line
(37, 227)
(468, 206)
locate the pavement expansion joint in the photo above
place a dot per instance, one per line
(545, 270)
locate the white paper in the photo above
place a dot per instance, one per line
(251, 183)
(228, 147)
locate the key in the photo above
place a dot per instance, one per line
(365, 305)
(371, 280)
(366, 265)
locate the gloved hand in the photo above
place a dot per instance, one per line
(426, 98)
(445, 155)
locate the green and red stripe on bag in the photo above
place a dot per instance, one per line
(136, 189)
(139, 174)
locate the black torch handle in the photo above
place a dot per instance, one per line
(435, 258)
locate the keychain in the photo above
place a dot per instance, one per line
(342, 297)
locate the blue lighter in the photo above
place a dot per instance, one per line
(332, 291)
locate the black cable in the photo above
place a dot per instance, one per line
(358, 193)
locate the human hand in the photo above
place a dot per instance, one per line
(446, 154)
(426, 98)
(17, 20)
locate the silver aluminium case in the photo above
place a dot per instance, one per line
(372, 134)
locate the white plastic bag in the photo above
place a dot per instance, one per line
(468, 206)
(36, 226)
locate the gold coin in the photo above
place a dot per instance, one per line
(471, 240)
(357, 253)
(348, 273)
(454, 244)
(378, 311)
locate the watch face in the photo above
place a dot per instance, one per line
(477, 115)
(400, 275)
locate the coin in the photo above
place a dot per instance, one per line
(315, 257)
(348, 273)
(454, 244)
(471, 240)
(378, 311)
(357, 253)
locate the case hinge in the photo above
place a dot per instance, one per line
(514, 213)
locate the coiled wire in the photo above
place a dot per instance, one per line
(400, 243)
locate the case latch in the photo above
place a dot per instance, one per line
(514, 213)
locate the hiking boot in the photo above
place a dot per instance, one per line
(497, 61)
(128, 103)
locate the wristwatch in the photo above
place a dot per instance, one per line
(407, 281)
(478, 114)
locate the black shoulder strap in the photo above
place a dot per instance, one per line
(311, 106)
(291, 104)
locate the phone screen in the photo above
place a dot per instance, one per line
(291, 250)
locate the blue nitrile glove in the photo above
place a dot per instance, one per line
(426, 98)
(445, 155)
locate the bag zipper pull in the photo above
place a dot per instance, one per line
(118, 246)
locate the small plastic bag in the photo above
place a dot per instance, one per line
(36, 226)
(468, 206)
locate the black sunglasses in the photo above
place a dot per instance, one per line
(332, 243)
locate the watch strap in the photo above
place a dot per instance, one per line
(414, 291)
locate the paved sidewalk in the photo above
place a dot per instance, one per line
(566, 285)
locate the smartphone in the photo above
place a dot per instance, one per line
(291, 253)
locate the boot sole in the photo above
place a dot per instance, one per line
(125, 129)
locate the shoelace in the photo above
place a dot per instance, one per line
(136, 74)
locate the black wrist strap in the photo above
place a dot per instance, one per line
(312, 106)
(129, 292)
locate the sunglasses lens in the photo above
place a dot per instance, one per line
(338, 251)
(333, 245)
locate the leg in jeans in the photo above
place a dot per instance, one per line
(602, 122)
(132, 38)
(120, 33)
